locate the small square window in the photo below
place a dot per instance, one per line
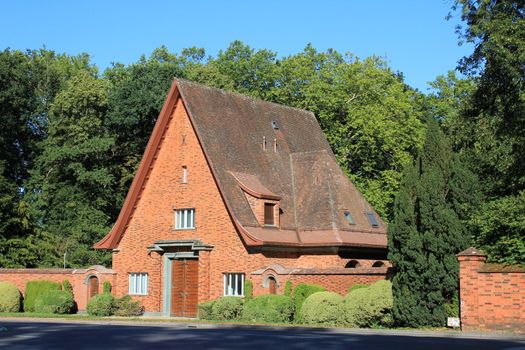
(184, 219)
(233, 284)
(138, 283)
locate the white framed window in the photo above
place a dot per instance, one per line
(138, 283)
(234, 284)
(184, 219)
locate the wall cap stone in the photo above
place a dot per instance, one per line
(472, 252)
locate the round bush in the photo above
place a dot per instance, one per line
(55, 302)
(323, 308)
(101, 305)
(227, 308)
(9, 297)
(126, 306)
(269, 308)
(301, 292)
(206, 310)
(371, 306)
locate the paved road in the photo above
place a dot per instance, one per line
(24, 334)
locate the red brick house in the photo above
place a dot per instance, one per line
(233, 188)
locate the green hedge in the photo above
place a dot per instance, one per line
(300, 293)
(34, 289)
(227, 308)
(323, 308)
(56, 302)
(357, 286)
(370, 307)
(126, 306)
(248, 290)
(288, 288)
(206, 310)
(101, 305)
(269, 308)
(10, 298)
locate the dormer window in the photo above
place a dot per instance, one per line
(269, 214)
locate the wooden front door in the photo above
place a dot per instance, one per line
(92, 287)
(272, 284)
(184, 287)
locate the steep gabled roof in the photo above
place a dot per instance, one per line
(296, 167)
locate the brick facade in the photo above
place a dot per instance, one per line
(492, 296)
(77, 277)
(153, 220)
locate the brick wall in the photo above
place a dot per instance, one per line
(77, 278)
(153, 220)
(492, 296)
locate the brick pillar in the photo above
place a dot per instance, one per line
(204, 276)
(470, 262)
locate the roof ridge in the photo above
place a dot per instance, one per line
(245, 97)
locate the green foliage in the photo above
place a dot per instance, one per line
(55, 302)
(288, 288)
(106, 287)
(499, 228)
(248, 290)
(101, 305)
(357, 286)
(370, 306)
(452, 307)
(323, 308)
(10, 297)
(428, 229)
(35, 289)
(126, 306)
(227, 308)
(301, 292)
(269, 308)
(66, 285)
(205, 310)
(494, 120)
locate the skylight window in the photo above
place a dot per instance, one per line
(349, 218)
(372, 219)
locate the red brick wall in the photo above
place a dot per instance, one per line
(20, 277)
(153, 220)
(492, 296)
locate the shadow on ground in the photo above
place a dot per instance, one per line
(77, 336)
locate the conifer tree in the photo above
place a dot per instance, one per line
(428, 230)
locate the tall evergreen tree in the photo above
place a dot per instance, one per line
(427, 231)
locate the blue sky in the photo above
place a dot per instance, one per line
(412, 35)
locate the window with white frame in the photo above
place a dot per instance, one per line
(138, 283)
(234, 284)
(184, 219)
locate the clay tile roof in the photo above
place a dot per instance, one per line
(297, 168)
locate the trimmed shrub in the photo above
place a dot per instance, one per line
(205, 310)
(101, 305)
(34, 289)
(106, 287)
(55, 302)
(248, 290)
(66, 285)
(126, 306)
(270, 308)
(370, 307)
(357, 286)
(227, 308)
(323, 308)
(300, 293)
(452, 307)
(288, 288)
(9, 297)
